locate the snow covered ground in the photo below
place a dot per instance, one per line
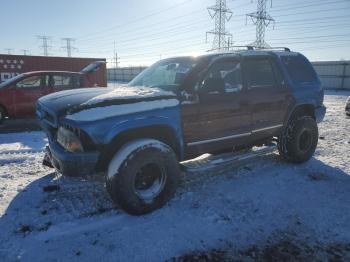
(246, 212)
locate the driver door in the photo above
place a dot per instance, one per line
(223, 110)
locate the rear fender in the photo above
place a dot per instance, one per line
(301, 109)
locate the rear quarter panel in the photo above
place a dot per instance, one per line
(302, 93)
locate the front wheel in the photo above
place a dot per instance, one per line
(143, 176)
(299, 140)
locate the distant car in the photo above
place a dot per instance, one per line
(347, 107)
(18, 95)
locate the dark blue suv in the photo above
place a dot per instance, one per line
(180, 108)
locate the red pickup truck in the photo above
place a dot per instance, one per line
(19, 94)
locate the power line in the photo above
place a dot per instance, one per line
(45, 43)
(221, 14)
(159, 33)
(138, 19)
(314, 12)
(261, 19)
(137, 45)
(176, 32)
(177, 27)
(152, 54)
(188, 29)
(314, 19)
(175, 19)
(310, 4)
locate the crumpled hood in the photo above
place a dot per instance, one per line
(72, 101)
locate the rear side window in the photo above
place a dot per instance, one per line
(65, 81)
(259, 73)
(299, 69)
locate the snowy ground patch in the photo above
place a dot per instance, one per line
(236, 210)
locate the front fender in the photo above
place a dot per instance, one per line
(169, 117)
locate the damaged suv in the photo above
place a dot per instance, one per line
(177, 109)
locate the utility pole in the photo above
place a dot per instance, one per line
(25, 51)
(262, 20)
(221, 14)
(45, 46)
(68, 46)
(9, 50)
(116, 58)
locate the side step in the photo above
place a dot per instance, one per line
(208, 161)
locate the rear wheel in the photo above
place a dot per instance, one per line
(299, 140)
(143, 176)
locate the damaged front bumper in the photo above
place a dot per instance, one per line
(70, 164)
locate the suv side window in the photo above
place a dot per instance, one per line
(259, 73)
(223, 76)
(299, 69)
(61, 80)
(32, 82)
(65, 81)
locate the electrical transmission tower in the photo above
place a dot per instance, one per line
(262, 20)
(221, 14)
(45, 40)
(68, 46)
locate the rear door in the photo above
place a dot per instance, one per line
(27, 92)
(223, 112)
(268, 96)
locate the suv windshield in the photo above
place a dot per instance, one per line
(167, 74)
(11, 80)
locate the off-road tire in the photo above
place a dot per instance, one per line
(127, 164)
(298, 141)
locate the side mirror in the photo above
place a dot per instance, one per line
(188, 97)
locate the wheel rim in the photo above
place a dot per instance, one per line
(149, 181)
(305, 140)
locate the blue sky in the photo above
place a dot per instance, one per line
(144, 31)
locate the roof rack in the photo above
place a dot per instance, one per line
(276, 48)
(248, 47)
(251, 47)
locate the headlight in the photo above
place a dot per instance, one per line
(68, 140)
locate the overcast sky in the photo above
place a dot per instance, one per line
(144, 31)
